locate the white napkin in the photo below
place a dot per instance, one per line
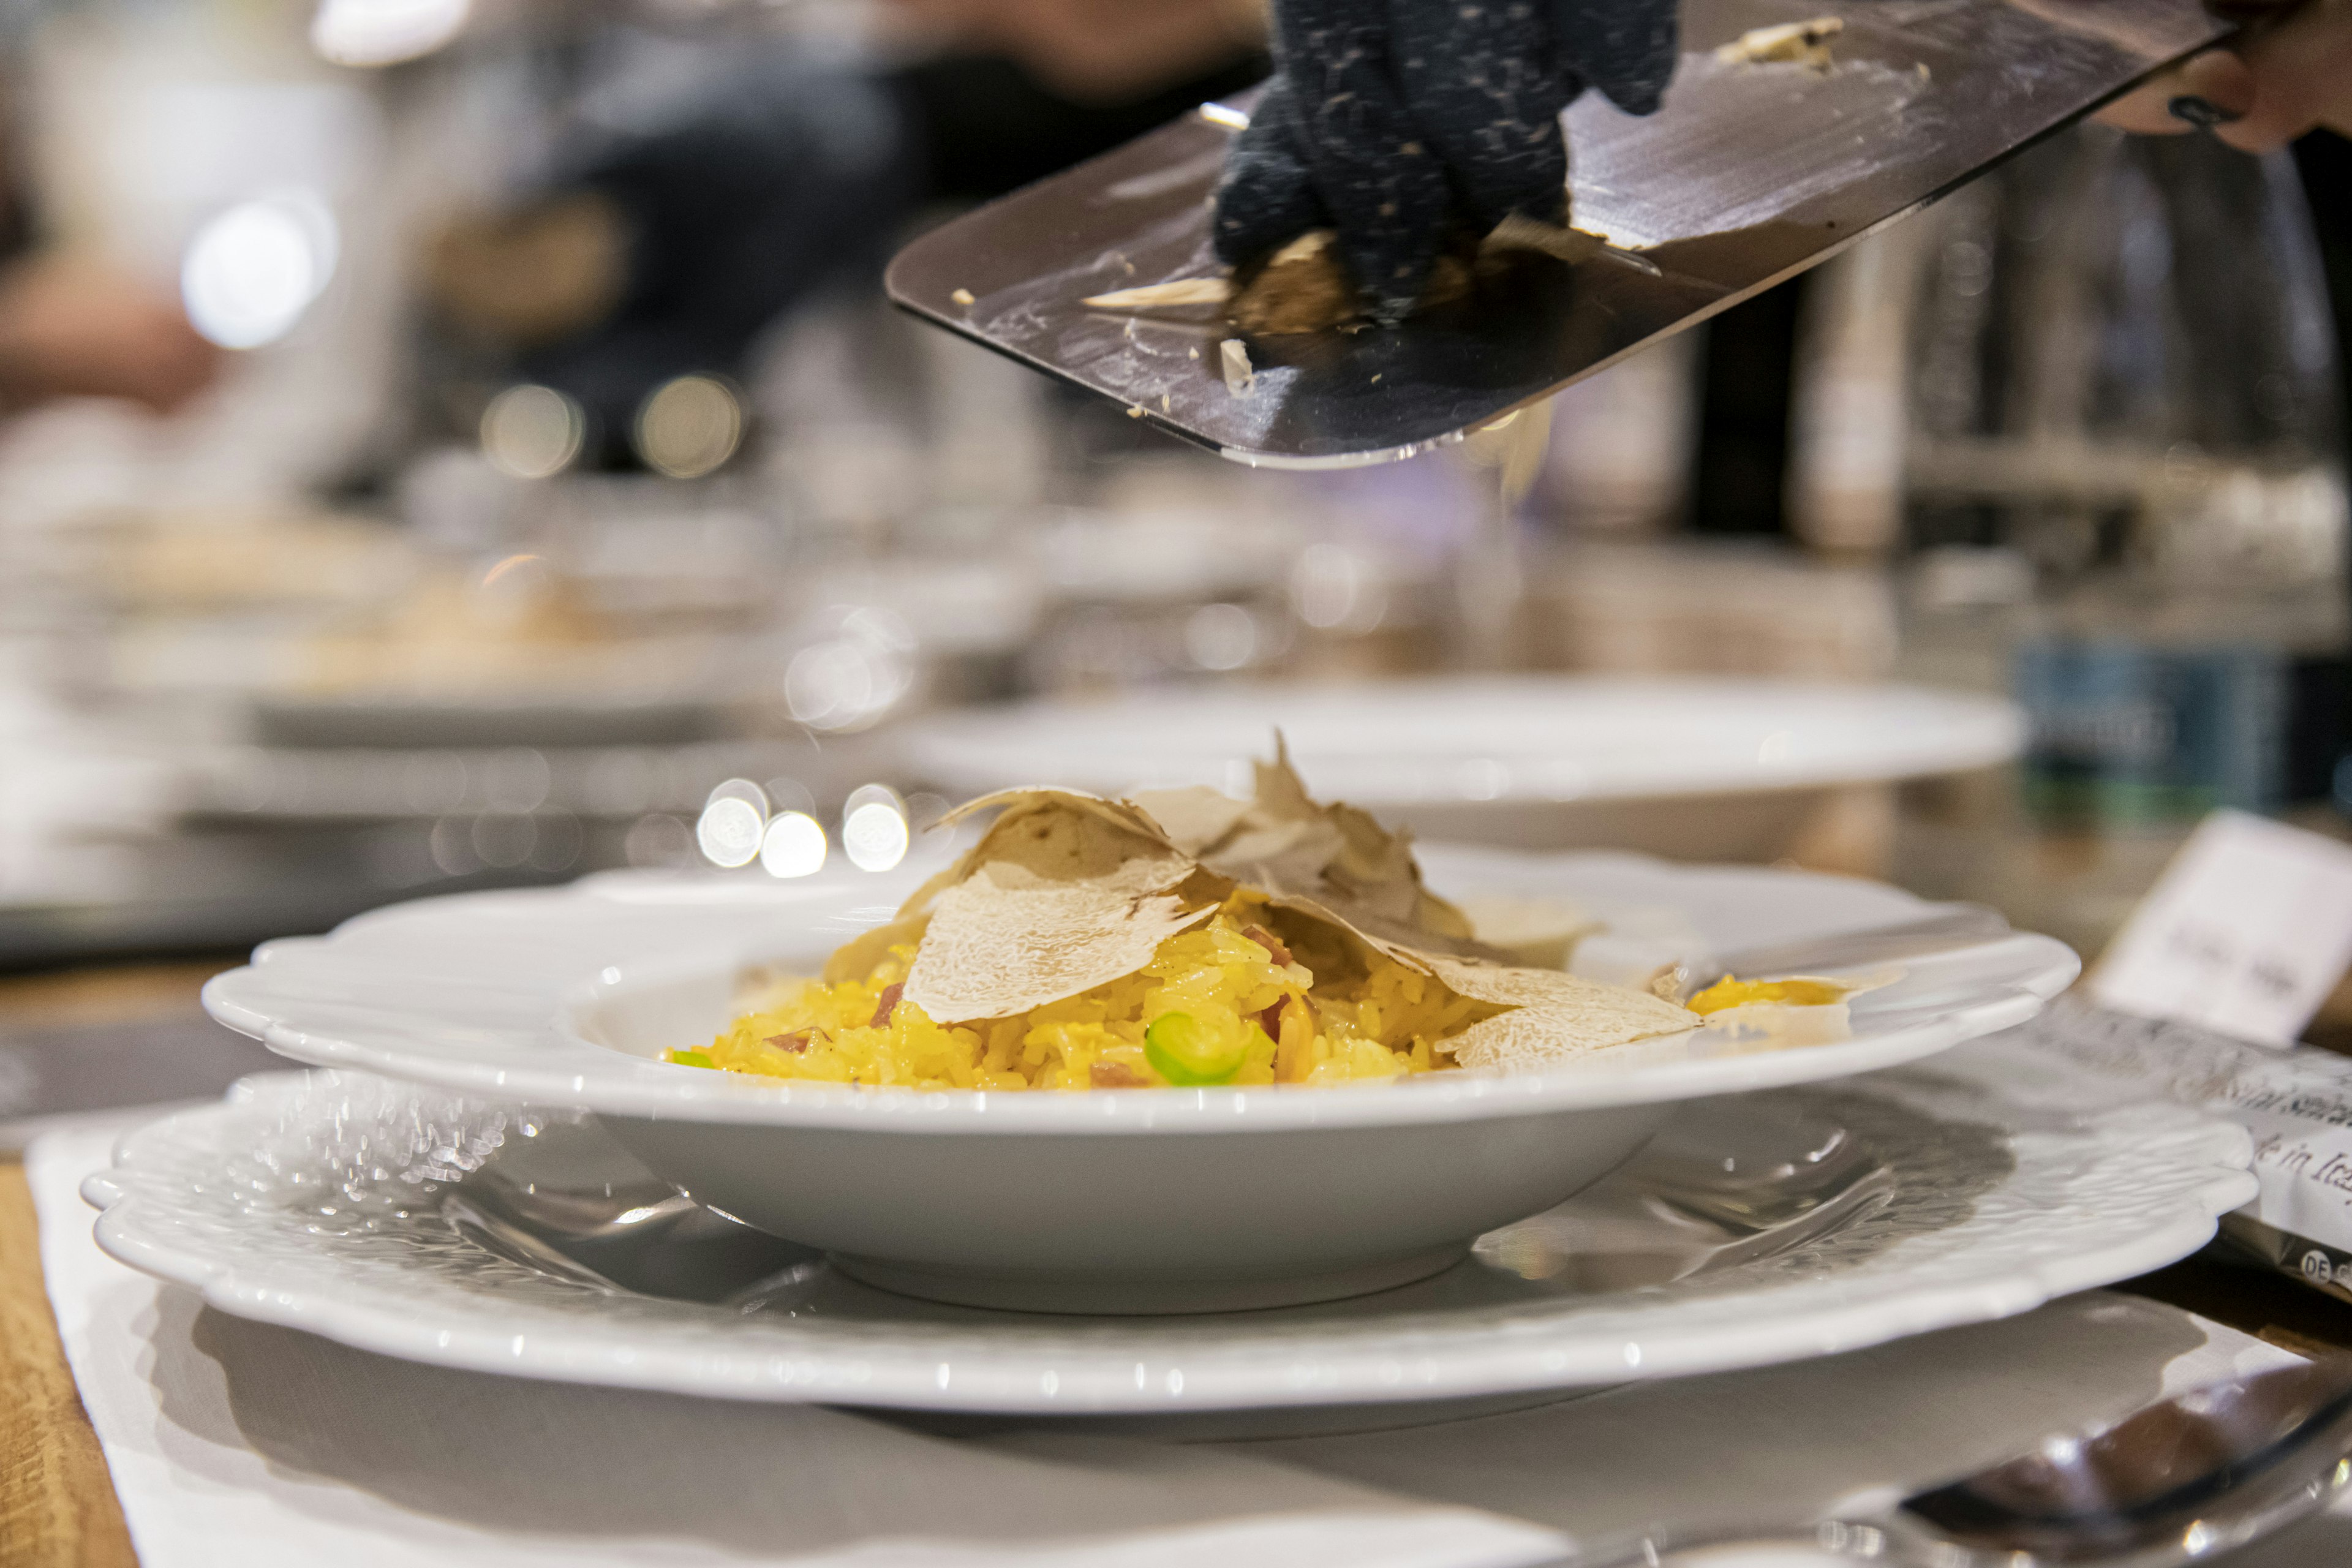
(234, 1443)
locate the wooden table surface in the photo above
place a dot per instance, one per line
(56, 1503)
(58, 1506)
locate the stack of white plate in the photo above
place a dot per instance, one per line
(496, 1174)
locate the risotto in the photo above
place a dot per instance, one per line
(1252, 997)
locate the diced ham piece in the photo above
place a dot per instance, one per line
(1268, 940)
(888, 1002)
(1115, 1074)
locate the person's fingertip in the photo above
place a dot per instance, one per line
(2142, 115)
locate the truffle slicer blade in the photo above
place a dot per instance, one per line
(1750, 175)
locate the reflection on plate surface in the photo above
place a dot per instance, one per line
(1728, 1184)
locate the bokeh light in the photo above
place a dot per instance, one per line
(852, 678)
(793, 846)
(532, 432)
(1221, 636)
(1336, 589)
(503, 840)
(253, 269)
(874, 832)
(384, 32)
(655, 838)
(729, 831)
(739, 789)
(690, 426)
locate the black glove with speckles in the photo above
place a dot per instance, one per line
(1400, 122)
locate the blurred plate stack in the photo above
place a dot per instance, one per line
(1698, 769)
(258, 724)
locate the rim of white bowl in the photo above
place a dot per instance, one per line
(548, 1066)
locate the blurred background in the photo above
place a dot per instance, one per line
(453, 444)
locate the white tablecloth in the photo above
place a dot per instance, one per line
(244, 1446)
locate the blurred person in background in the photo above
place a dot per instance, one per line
(71, 327)
(665, 246)
(75, 325)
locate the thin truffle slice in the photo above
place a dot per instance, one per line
(1005, 941)
(1334, 862)
(1068, 892)
(1552, 1018)
(1062, 894)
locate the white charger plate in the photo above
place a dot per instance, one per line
(1972, 1188)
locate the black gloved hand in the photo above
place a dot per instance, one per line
(1398, 121)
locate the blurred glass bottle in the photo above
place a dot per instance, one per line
(2120, 491)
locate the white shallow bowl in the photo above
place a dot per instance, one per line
(1169, 1200)
(1695, 769)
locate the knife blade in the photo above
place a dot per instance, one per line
(1752, 173)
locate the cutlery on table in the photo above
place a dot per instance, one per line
(2175, 1481)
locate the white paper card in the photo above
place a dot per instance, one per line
(2245, 933)
(2296, 1104)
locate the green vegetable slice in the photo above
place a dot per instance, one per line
(687, 1059)
(1189, 1054)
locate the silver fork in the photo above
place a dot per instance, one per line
(2178, 1481)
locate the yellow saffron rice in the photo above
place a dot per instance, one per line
(1371, 1018)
